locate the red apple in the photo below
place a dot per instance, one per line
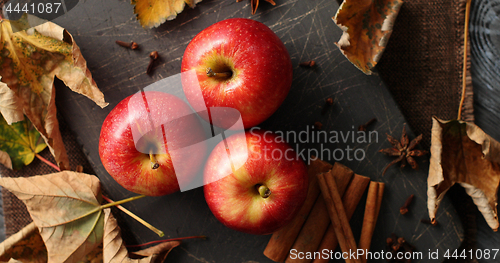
(145, 136)
(267, 188)
(241, 64)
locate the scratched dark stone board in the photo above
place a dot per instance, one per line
(308, 33)
(485, 51)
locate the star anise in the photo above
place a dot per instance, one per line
(255, 3)
(404, 150)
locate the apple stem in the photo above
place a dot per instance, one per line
(154, 162)
(226, 74)
(264, 191)
(134, 216)
(165, 240)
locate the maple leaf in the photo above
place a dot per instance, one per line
(115, 250)
(462, 153)
(30, 58)
(20, 142)
(152, 13)
(65, 206)
(367, 26)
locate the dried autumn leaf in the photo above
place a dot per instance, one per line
(24, 246)
(152, 13)
(21, 141)
(115, 250)
(27, 246)
(29, 61)
(462, 153)
(367, 26)
(10, 108)
(5, 159)
(66, 208)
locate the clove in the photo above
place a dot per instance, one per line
(395, 245)
(404, 209)
(364, 127)
(318, 125)
(328, 104)
(153, 56)
(131, 45)
(308, 64)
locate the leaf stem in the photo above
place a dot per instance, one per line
(134, 216)
(165, 240)
(464, 69)
(121, 201)
(99, 209)
(47, 162)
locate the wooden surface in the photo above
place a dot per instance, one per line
(308, 32)
(485, 53)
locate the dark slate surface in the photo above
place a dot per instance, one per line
(308, 33)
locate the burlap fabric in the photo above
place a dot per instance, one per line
(422, 66)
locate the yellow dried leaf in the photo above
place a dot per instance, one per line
(152, 13)
(116, 252)
(29, 61)
(20, 141)
(367, 26)
(462, 153)
(66, 208)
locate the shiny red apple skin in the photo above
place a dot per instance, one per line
(259, 61)
(128, 162)
(235, 200)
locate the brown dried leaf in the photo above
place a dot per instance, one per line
(10, 108)
(27, 246)
(367, 26)
(115, 250)
(5, 159)
(24, 246)
(462, 153)
(152, 13)
(66, 208)
(29, 61)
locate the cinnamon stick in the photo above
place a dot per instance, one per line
(282, 240)
(337, 215)
(372, 208)
(317, 223)
(350, 200)
(381, 188)
(312, 231)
